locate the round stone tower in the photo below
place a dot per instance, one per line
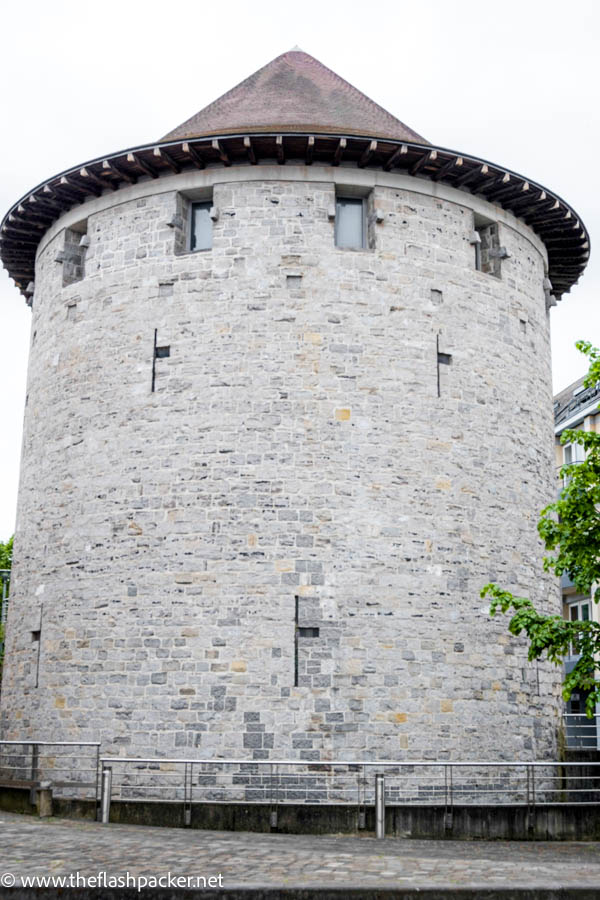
(289, 408)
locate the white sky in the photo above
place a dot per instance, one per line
(515, 83)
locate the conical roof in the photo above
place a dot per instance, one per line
(294, 92)
(297, 110)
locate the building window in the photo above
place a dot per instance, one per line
(201, 226)
(488, 252)
(574, 453)
(578, 612)
(72, 256)
(350, 223)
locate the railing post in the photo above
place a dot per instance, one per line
(273, 813)
(106, 793)
(362, 814)
(187, 794)
(529, 822)
(35, 763)
(448, 798)
(379, 805)
(97, 791)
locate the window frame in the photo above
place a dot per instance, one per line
(493, 262)
(356, 200)
(193, 204)
(577, 604)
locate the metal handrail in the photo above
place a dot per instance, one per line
(309, 763)
(414, 782)
(577, 402)
(73, 766)
(55, 743)
(581, 731)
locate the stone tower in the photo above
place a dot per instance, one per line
(288, 409)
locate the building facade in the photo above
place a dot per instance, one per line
(576, 407)
(288, 385)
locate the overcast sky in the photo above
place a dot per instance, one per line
(515, 83)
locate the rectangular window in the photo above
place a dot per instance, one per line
(201, 226)
(73, 254)
(486, 241)
(579, 612)
(574, 453)
(350, 230)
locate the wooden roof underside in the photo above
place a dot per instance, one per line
(557, 225)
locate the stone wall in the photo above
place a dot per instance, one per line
(301, 441)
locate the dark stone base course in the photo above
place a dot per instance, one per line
(551, 822)
(16, 800)
(309, 893)
(546, 823)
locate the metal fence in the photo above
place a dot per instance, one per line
(581, 733)
(77, 771)
(280, 782)
(71, 768)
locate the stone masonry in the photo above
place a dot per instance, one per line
(295, 446)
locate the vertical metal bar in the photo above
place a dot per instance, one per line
(35, 762)
(446, 789)
(273, 816)
(154, 359)
(449, 796)
(446, 804)
(191, 793)
(97, 791)
(106, 794)
(529, 818)
(187, 811)
(379, 805)
(361, 802)
(296, 600)
(437, 360)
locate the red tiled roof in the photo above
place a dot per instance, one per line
(295, 92)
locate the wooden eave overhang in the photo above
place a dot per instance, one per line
(557, 224)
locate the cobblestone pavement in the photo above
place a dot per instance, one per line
(30, 846)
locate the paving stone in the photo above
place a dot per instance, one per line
(61, 847)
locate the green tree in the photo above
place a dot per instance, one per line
(570, 529)
(6, 551)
